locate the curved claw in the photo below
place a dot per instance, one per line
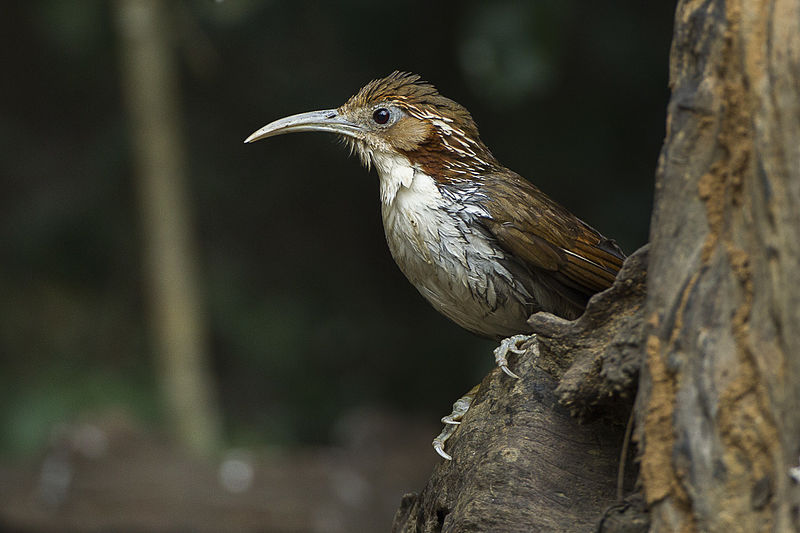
(453, 420)
(449, 419)
(510, 344)
(508, 372)
(439, 447)
(438, 442)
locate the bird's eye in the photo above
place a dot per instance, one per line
(381, 115)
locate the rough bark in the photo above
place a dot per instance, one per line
(717, 412)
(716, 335)
(521, 462)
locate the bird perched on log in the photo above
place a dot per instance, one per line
(484, 246)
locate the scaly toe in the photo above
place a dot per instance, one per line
(510, 344)
(453, 420)
(438, 442)
(450, 419)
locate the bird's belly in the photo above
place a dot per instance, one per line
(459, 272)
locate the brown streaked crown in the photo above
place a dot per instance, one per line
(442, 140)
(411, 92)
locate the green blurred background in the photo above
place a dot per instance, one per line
(306, 315)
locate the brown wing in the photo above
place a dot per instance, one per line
(548, 238)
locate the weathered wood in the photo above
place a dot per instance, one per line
(601, 350)
(717, 413)
(521, 462)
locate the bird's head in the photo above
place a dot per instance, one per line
(399, 115)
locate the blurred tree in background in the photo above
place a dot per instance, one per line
(177, 317)
(308, 315)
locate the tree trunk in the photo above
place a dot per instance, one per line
(717, 411)
(176, 313)
(717, 334)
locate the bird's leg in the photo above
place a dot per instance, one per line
(511, 344)
(451, 421)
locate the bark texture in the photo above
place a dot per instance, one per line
(717, 412)
(521, 462)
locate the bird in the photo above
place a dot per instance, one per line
(484, 246)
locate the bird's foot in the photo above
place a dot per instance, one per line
(462, 405)
(512, 344)
(451, 421)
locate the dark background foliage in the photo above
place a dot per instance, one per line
(308, 315)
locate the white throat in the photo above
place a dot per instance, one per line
(395, 171)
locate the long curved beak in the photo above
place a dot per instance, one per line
(327, 120)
